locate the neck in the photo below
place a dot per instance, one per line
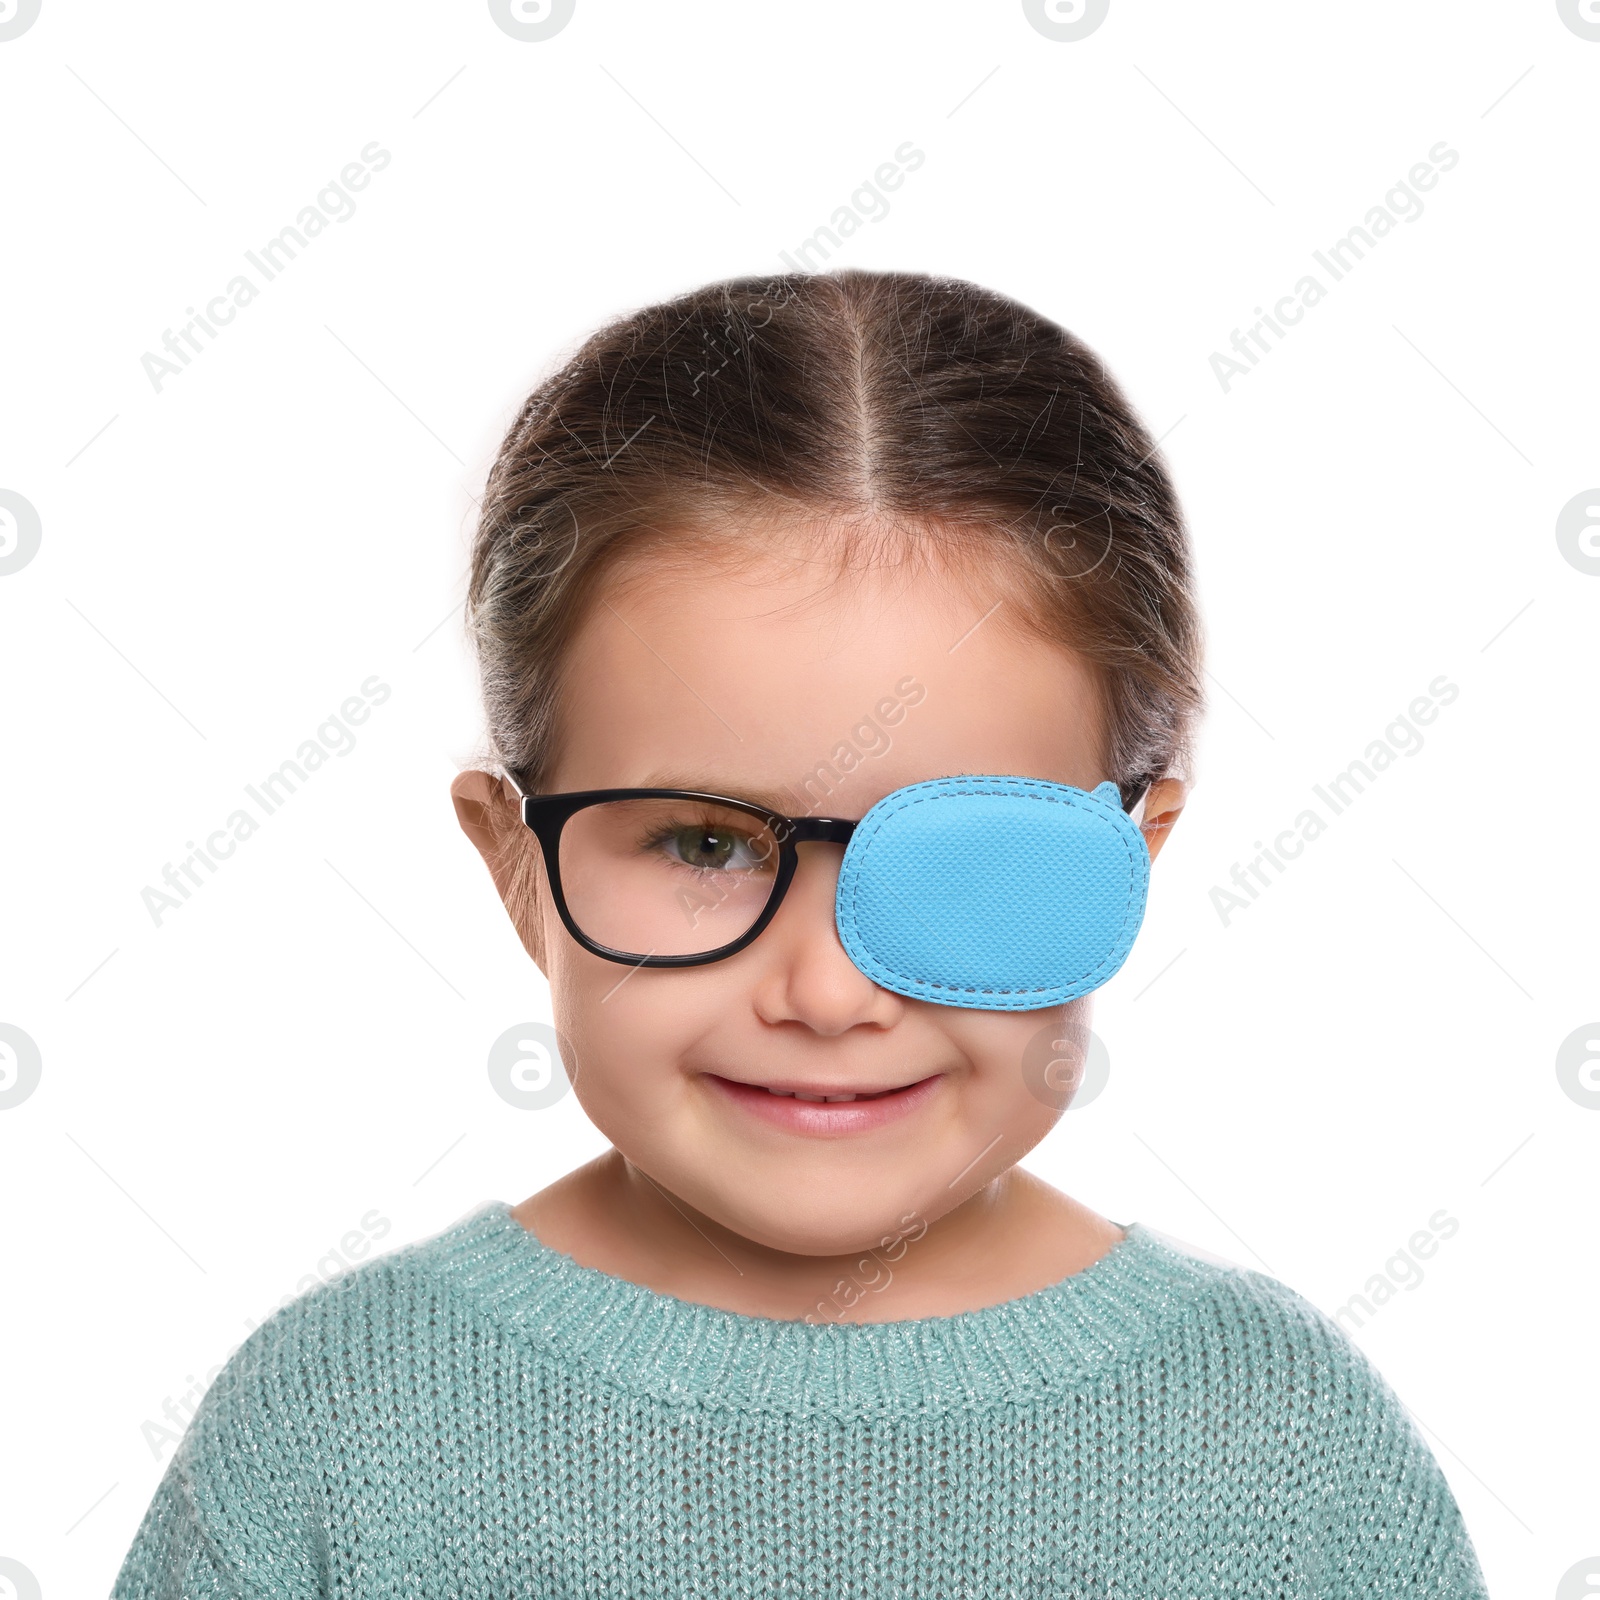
(1014, 1236)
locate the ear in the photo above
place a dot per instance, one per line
(1163, 804)
(490, 815)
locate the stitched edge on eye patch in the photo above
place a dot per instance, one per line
(993, 999)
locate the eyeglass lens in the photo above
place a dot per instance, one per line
(666, 877)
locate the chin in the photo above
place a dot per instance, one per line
(803, 1228)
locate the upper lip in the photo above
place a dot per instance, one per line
(811, 1086)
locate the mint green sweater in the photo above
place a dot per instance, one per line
(477, 1415)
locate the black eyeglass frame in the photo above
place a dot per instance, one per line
(548, 814)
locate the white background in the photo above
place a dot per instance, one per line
(301, 1046)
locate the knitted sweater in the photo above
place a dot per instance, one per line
(478, 1415)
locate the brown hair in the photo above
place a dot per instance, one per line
(934, 405)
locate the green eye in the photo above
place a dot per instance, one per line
(702, 847)
(711, 849)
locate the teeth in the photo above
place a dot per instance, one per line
(829, 1099)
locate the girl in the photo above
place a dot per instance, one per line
(841, 668)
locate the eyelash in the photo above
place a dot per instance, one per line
(660, 835)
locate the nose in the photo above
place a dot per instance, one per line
(806, 975)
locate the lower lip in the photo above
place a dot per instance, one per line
(822, 1118)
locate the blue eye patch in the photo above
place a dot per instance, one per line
(993, 893)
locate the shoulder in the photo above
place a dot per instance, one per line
(1273, 1379)
(328, 1382)
(321, 1359)
(1261, 1365)
(1261, 1316)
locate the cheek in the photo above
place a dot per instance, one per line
(1025, 1063)
(630, 1030)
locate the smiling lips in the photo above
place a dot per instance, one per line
(831, 1099)
(821, 1111)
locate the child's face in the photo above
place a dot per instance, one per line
(747, 684)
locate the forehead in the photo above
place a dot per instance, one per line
(754, 677)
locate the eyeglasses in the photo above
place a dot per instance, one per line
(679, 878)
(668, 877)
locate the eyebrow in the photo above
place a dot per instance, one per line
(756, 793)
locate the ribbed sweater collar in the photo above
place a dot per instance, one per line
(637, 1340)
